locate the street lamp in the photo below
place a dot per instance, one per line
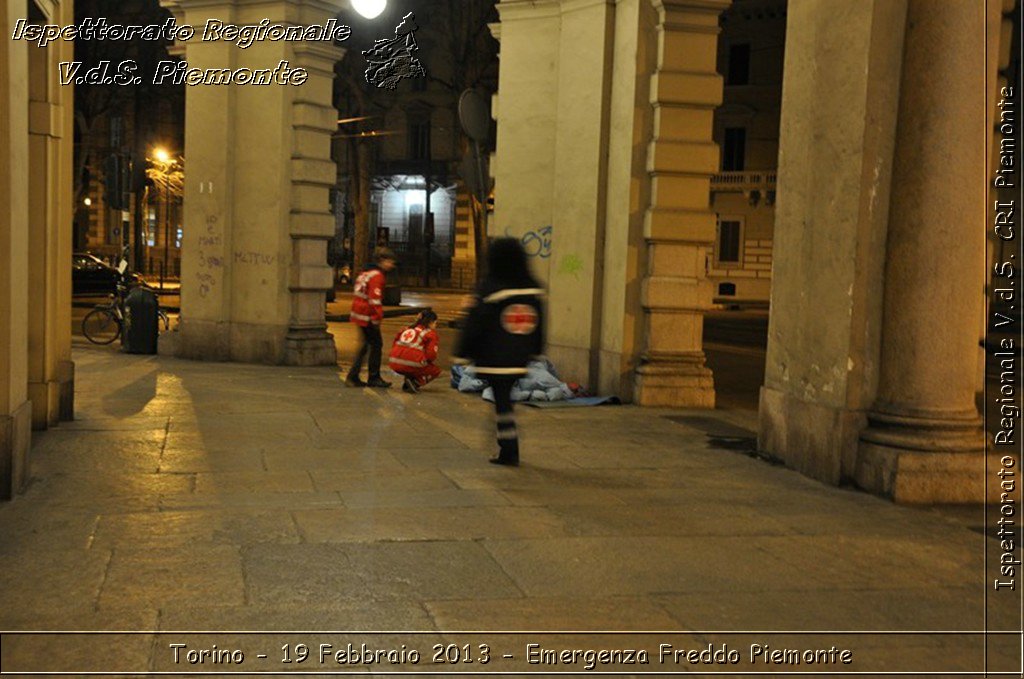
(87, 201)
(369, 9)
(164, 158)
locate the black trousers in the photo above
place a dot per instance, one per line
(508, 437)
(372, 344)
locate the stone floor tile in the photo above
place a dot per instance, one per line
(682, 519)
(77, 653)
(407, 571)
(153, 576)
(553, 614)
(203, 458)
(68, 577)
(594, 567)
(246, 500)
(259, 481)
(857, 562)
(315, 458)
(381, 524)
(172, 528)
(404, 480)
(307, 616)
(825, 609)
(84, 487)
(549, 497)
(454, 457)
(423, 498)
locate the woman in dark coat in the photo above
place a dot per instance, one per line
(503, 332)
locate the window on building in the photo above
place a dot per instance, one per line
(729, 241)
(151, 227)
(419, 139)
(739, 65)
(734, 149)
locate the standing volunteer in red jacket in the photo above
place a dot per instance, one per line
(368, 312)
(414, 353)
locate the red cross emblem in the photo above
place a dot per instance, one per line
(519, 319)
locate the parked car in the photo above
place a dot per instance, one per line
(90, 275)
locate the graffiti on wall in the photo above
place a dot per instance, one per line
(538, 243)
(571, 265)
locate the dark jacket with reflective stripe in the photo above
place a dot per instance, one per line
(504, 330)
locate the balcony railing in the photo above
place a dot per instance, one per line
(744, 181)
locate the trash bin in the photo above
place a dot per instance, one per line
(392, 295)
(141, 326)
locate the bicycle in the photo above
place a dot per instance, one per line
(105, 323)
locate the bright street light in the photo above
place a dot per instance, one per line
(370, 9)
(161, 155)
(87, 201)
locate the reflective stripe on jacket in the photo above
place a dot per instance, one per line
(503, 330)
(414, 347)
(368, 300)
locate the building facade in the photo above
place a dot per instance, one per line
(750, 55)
(414, 138)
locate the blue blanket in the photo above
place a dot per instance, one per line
(540, 383)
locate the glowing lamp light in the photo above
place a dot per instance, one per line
(87, 201)
(370, 9)
(415, 197)
(161, 155)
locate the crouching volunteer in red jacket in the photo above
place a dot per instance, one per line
(367, 312)
(503, 331)
(414, 353)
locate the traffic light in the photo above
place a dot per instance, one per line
(139, 177)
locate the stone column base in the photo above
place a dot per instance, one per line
(44, 397)
(53, 401)
(310, 347)
(66, 389)
(253, 343)
(15, 440)
(204, 340)
(815, 439)
(680, 382)
(916, 477)
(915, 460)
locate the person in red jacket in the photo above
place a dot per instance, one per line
(368, 312)
(414, 353)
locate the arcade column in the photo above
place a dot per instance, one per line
(925, 441)
(15, 408)
(254, 257)
(680, 227)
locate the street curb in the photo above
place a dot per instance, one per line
(93, 305)
(332, 318)
(388, 313)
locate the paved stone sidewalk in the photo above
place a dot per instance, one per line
(204, 496)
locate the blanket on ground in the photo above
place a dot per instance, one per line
(540, 383)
